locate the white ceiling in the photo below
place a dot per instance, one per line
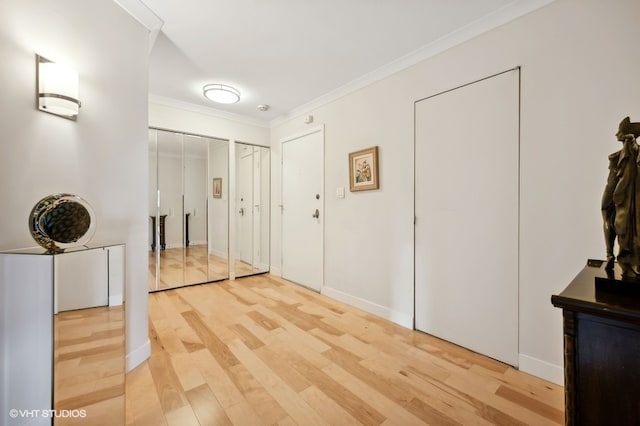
(290, 53)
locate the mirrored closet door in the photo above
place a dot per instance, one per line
(252, 209)
(188, 209)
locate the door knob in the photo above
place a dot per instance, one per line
(316, 214)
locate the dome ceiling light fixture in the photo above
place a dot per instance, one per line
(221, 93)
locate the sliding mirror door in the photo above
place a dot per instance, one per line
(169, 219)
(252, 209)
(218, 218)
(196, 153)
(188, 232)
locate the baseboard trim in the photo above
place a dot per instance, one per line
(221, 254)
(138, 356)
(542, 369)
(275, 271)
(116, 300)
(396, 317)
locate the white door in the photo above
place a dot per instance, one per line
(302, 209)
(466, 202)
(245, 206)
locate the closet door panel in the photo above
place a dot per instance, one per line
(188, 209)
(195, 210)
(171, 217)
(466, 201)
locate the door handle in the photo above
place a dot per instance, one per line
(241, 211)
(316, 214)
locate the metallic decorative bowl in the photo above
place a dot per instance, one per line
(60, 221)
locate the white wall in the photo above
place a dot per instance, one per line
(103, 156)
(579, 79)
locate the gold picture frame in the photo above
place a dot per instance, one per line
(217, 187)
(363, 170)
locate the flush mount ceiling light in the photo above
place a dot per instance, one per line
(221, 93)
(57, 89)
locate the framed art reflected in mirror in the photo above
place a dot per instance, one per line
(217, 187)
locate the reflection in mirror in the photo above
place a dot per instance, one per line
(62, 335)
(252, 209)
(171, 219)
(195, 210)
(188, 225)
(218, 198)
(153, 241)
(88, 333)
(89, 365)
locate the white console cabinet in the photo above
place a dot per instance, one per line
(35, 285)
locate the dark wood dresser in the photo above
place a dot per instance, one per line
(601, 349)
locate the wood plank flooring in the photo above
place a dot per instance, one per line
(262, 351)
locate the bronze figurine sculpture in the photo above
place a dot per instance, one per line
(621, 203)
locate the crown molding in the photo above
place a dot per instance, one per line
(199, 109)
(514, 10)
(147, 17)
(508, 13)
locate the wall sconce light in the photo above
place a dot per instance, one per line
(57, 89)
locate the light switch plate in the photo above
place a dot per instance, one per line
(340, 192)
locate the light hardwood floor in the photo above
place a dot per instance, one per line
(262, 351)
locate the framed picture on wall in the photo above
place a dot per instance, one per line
(217, 187)
(363, 169)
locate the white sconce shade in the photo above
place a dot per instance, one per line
(57, 89)
(221, 93)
